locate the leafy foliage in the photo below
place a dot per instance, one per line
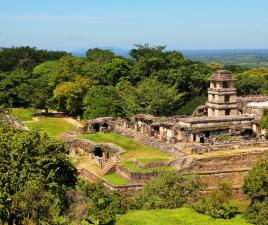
(100, 56)
(25, 57)
(217, 204)
(68, 96)
(31, 162)
(93, 204)
(153, 80)
(190, 106)
(264, 121)
(256, 188)
(101, 101)
(253, 82)
(171, 189)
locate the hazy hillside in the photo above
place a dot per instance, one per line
(246, 57)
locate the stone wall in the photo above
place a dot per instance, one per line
(229, 145)
(136, 177)
(244, 100)
(152, 164)
(75, 144)
(121, 188)
(229, 168)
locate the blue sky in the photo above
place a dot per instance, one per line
(178, 24)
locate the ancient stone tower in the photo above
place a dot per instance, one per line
(222, 99)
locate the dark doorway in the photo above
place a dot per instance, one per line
(227, 98)
(207, 134)
(194, 137)
(96, 127)
(227, 112)
(105, 125)
(225, 84)
(202, 139)
(248, 134)
(98, 152)
(156, 130)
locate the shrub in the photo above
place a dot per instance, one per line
(256, 188)
(171, 189)
(217, 203)
(190, 106)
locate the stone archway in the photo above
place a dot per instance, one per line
(96, 127)
(98, 152)
(202, 139)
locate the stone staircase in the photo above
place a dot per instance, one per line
(108, 166)
(183, 163)
(89, 165)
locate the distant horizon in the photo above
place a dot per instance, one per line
(128, 49)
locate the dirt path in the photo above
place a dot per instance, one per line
(73, 122)
(34, 119)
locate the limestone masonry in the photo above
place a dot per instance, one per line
(224, 116)
(226, 123)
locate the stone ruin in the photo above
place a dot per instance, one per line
(225, 122)
(102, 124)
(99, 153)
(225, 116)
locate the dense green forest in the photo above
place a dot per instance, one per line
(152, 80)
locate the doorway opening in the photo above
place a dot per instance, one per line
(98, 152)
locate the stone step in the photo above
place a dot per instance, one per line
(108, 166)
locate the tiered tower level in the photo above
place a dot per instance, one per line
(222, 98)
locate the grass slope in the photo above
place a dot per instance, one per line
(54, 127)
(133, 148)
(24, 114)
(181, 216)
(115, 179)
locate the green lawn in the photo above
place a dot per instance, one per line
(24, 114)
(115, 179)
(54, 127)
(133, 149)
(181, 216)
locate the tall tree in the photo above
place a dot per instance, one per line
(157, 98)
(68, 95)
(100, 56)
(115, 70)
(26, 57)
(101, 101)
(30, 161)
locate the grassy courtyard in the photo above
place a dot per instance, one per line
(134, 150)
(54, 127)
(24, 114)
(181, 216)
(115, 179)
